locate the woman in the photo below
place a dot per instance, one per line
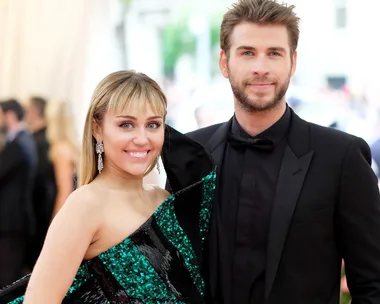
(117, 240)
(64, 151)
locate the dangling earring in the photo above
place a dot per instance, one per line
(99, 148)
(158, 165)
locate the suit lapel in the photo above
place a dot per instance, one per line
(216, 146)
(217, 143)
(294, 167)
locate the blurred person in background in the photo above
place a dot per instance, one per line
(64, 150)
(294, 198)
(375, 148)
(44, 191)
(18, 161)
(3, 139)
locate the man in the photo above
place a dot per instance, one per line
(3, 139)
(44, 190)
(375, 149)
(294, 198)
(17, 172)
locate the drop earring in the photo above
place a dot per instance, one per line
(99, 149)
(158, 165)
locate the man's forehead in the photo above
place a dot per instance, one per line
(257, 35)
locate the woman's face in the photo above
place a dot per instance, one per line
(132, 140)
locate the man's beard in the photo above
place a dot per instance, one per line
(256, 105)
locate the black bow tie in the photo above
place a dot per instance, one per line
(262, 144)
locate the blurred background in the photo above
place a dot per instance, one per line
(60, 50)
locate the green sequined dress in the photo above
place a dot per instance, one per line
(160, 261)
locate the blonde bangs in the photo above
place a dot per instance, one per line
(137, 93)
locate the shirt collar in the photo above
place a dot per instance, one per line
(275, 133)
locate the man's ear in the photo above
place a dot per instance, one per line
(223, 63)
(294, 63)
(97, 131)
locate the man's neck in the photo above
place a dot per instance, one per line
(257, 122)
(17, 127)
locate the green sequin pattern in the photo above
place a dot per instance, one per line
(174, 233)
(17, 301)
(135, 274)
(132, 269)
(82, 276)
(170, 227)
(209, 186)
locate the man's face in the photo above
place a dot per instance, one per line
(259, 65)
(3, 125)
(31, 113)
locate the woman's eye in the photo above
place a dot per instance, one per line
(126, 125)
(153, 125)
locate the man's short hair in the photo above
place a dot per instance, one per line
(12, 105)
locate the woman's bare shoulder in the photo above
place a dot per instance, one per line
(160, 193)
(85, 198)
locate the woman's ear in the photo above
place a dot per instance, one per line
(97, 130)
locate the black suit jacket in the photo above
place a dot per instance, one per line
(327, 207)
(17, 172)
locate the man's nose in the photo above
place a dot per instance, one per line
(260, 66)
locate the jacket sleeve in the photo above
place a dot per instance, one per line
(358, 223)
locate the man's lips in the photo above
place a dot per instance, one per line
(260, 84)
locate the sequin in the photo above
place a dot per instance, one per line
(175, 234)
(134, 272)
(82, 276)
(208, 193)
(17, 301)
(138, 272)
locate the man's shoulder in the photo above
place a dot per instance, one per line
(326, 137)
(202, 135)
(323, 131)
(24, 137)
(376, 146)
(24, 142)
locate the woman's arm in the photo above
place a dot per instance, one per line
(67, 241)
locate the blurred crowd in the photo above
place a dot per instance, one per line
(38, 159)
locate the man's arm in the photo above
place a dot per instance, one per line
(358, 217)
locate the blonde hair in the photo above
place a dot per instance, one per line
(61, 127)
(116, 93)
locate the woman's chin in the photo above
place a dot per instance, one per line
(137, 172)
